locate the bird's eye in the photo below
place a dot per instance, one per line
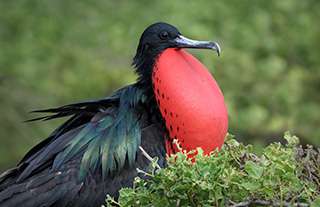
(164, 35)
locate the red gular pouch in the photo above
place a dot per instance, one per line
(190, 102)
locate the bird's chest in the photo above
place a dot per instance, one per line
(190, 101)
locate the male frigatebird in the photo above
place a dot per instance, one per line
(97, 150)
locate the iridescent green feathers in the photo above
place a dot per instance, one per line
(108, 141)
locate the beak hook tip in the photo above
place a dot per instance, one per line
(217, 48)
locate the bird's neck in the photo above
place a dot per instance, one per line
(143, 63)
(144, 66)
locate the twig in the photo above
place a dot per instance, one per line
(144, 172)
(148, 157)
(178, 203)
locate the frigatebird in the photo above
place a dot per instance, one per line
(97, 150)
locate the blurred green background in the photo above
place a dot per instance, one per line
(62, 51)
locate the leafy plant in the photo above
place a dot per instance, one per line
(283, 175)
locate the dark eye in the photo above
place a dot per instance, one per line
(164, 35)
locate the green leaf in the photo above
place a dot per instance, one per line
(253, 169)
(316, 202)
(250, 186)
(291, 139)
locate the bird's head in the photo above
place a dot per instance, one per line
(160, 36)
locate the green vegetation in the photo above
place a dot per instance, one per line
(62, 51)
(283, 175)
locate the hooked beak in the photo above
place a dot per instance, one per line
(183, 42)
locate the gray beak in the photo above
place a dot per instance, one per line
(183, 42)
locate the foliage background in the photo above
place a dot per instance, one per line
(62, 51)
